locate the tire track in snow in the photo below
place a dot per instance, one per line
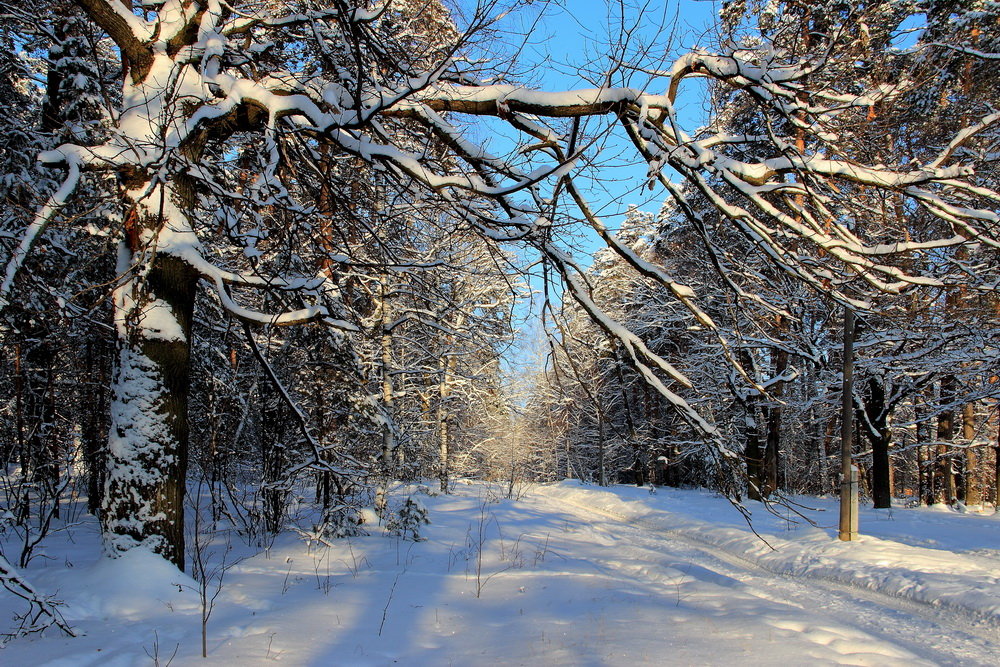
(942, 634)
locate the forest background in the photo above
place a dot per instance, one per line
(275, 251)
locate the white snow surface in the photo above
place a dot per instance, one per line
(568, 575)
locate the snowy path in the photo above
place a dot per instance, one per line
(568, 575)
(939, 636)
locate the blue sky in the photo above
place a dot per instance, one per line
(567, 44)
(564, 42)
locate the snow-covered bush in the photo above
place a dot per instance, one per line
(344, 521)
(408, 519)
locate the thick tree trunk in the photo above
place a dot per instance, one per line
(877, 427)
(148, 443)
(144, 492)
(881, 471)
(639, 466)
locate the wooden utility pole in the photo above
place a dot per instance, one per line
(848, 471)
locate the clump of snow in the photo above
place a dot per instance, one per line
(137, 585)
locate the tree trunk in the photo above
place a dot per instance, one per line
(996, 468)
(925, 467)
(602, 475)
(753, 456)
(881, 471)
(272, 455)
(877, 427)
(16, 449)
(828, 479)
(772, 448)
(95, 428)
(389, 443)
(996, 477)
(973, 493)
(946, 491)
(148, 443)
(443, 471)
(41, 452)
(755, 468)
(444, 390)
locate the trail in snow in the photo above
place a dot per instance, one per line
(942, 636)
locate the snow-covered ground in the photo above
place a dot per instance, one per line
(568, 574)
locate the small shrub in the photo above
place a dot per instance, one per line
(407, 521)
(343, 522)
